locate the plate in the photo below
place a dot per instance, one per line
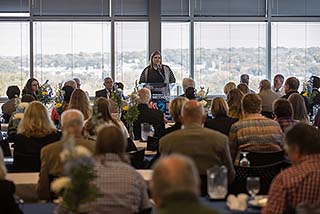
(259, 201)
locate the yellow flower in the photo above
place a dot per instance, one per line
(125, 108)
(60, 183)
(45, 93)
(58, 105)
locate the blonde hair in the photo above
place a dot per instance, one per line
(176, 107)
(219, 107)
(36, 121)
(3, 169)
(80, 101)
(234, 101)
(144, 95)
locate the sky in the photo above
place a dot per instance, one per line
(67, 37)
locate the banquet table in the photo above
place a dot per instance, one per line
(220, 206)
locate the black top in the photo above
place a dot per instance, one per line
(151, 116)
(26, 155)
(221, 123)
(176, 126)
(155, 76)
(7, 201)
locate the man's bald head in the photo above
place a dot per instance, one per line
(192, 112)
(174, 174)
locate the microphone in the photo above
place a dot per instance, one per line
(159, 67)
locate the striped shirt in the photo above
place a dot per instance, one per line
(286, 123)
(295, 186)
(255, 133)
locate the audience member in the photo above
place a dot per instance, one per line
(205, 146)
(71, 83)
(254, 132)
(106, 92)
(234, 98)
(220, 122)
(299, 108)
(18, 115)
(188, 86)
(175, 108)
(123, 189)
(244, 88)
(7, 189)
(31, 87)
(78, 82)
(102, 115)
(147, 115)
(175, 186)
(299, 184)
(291, 86)
(35, 131)
(267, 98)
(244, 78)
(79, 100)
(283, 112)
(228, 87)
(51, 165)
(13, 93)
(277, 84)
(315, 95)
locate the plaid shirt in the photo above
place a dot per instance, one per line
(297, 185)
(286, 123)
(121, 186)
(255, 133)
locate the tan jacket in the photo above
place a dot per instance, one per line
(51, 164)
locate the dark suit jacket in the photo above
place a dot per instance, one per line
(8, 203)
(103, 93)
(220, 123)
(26, 155)
(151, 116)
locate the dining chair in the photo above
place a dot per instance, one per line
(137, 158)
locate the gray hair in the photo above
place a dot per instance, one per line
(187, 83)
(144, 95)
(174, 173)
(72, 118)
(71, 83)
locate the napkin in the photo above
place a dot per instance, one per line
(238, 202)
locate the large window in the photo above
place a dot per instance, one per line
(297, 55)
(131, 54)
(175, 48)
(223, 51)
(64, 50)
(14, 54)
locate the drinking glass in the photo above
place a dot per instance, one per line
(253, 186)
(146, 130)
(217, 181)
(244, 161)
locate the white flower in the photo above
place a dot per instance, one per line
(60, 183)
(81, 151)
(203, 103)
(201, 93)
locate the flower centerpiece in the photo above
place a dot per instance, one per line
(202, 96)
(131, 110)
(307, 88)
(45, 93)
(117, 97)
(59, 98)
(76, 187)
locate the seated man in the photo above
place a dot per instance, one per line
(106, 92)
(148, 115)
(72, 122)
(298, 185)
(204, 146)
(254, 132)
(175, 186)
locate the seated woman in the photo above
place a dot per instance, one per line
(234, 98)
(221, 122)
(121, 185)
(79, 100)
(300, 112)
(35, 131)
(175, 108)
(283, 112)
(102, 115)
(13, 93)
(31, 88)
(7, 188)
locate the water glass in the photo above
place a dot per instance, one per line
(253, 186)
(146, 131)
(217, 180)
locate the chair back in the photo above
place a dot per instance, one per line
(152, 143)
(4, 144)
(26, 163)
(266, 173)
(137, 158)
(264, 158)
